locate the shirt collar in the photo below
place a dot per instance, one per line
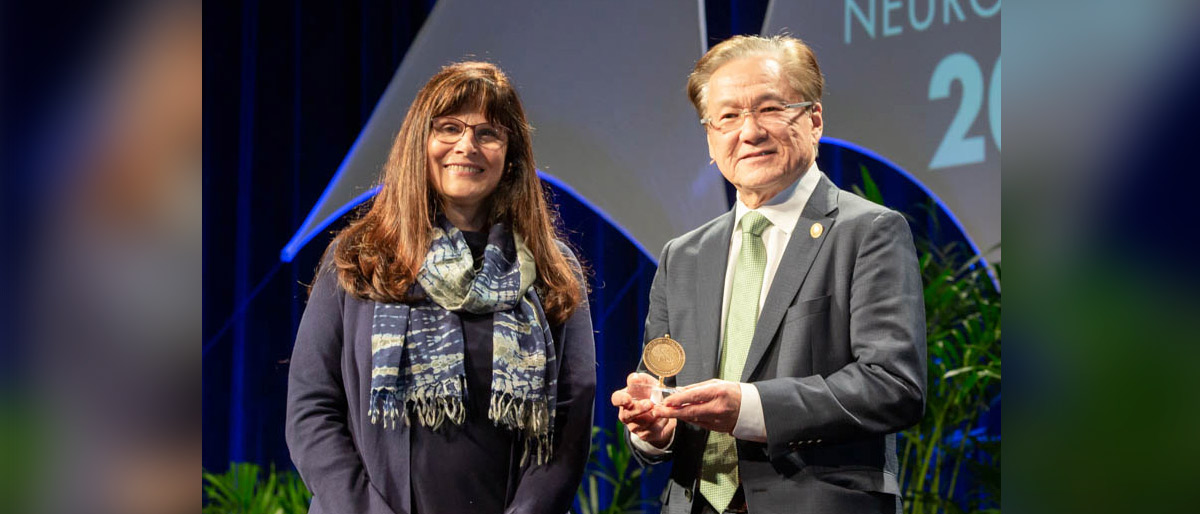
(784, 209)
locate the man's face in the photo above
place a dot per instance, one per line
(760, 160)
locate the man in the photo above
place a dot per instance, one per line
(800, 312)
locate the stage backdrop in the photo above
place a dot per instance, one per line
(602, 84)
(917, 81)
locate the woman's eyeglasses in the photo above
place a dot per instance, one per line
(450, 130)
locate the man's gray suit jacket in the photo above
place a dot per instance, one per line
(838, 356)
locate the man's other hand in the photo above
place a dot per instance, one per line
(713, 404)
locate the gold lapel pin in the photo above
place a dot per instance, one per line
(815, 230)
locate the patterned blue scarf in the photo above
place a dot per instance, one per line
(417, 348)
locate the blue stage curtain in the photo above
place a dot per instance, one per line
(287, 87)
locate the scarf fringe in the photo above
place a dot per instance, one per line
(431, 405)
(539, 447)
(529, 417)
(383, 402)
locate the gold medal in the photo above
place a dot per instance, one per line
(664, 357)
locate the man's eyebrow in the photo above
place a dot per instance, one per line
(762, 97)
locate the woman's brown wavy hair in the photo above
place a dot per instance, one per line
(379, 254)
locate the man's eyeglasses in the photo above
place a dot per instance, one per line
(769, 116)
(450, 130)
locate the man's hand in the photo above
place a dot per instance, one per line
(713, 404)
(636, 411)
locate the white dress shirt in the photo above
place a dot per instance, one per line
(783, 211)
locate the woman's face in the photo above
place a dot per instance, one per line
(466, 159)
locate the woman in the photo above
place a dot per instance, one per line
(445, 361)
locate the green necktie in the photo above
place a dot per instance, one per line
(719, 473)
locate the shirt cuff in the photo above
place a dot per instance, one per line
(751, 425)
(650, 449)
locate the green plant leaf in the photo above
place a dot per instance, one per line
(870, 190)
(243, 489)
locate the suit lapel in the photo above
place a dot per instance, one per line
(794, 266)
(710, 290)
